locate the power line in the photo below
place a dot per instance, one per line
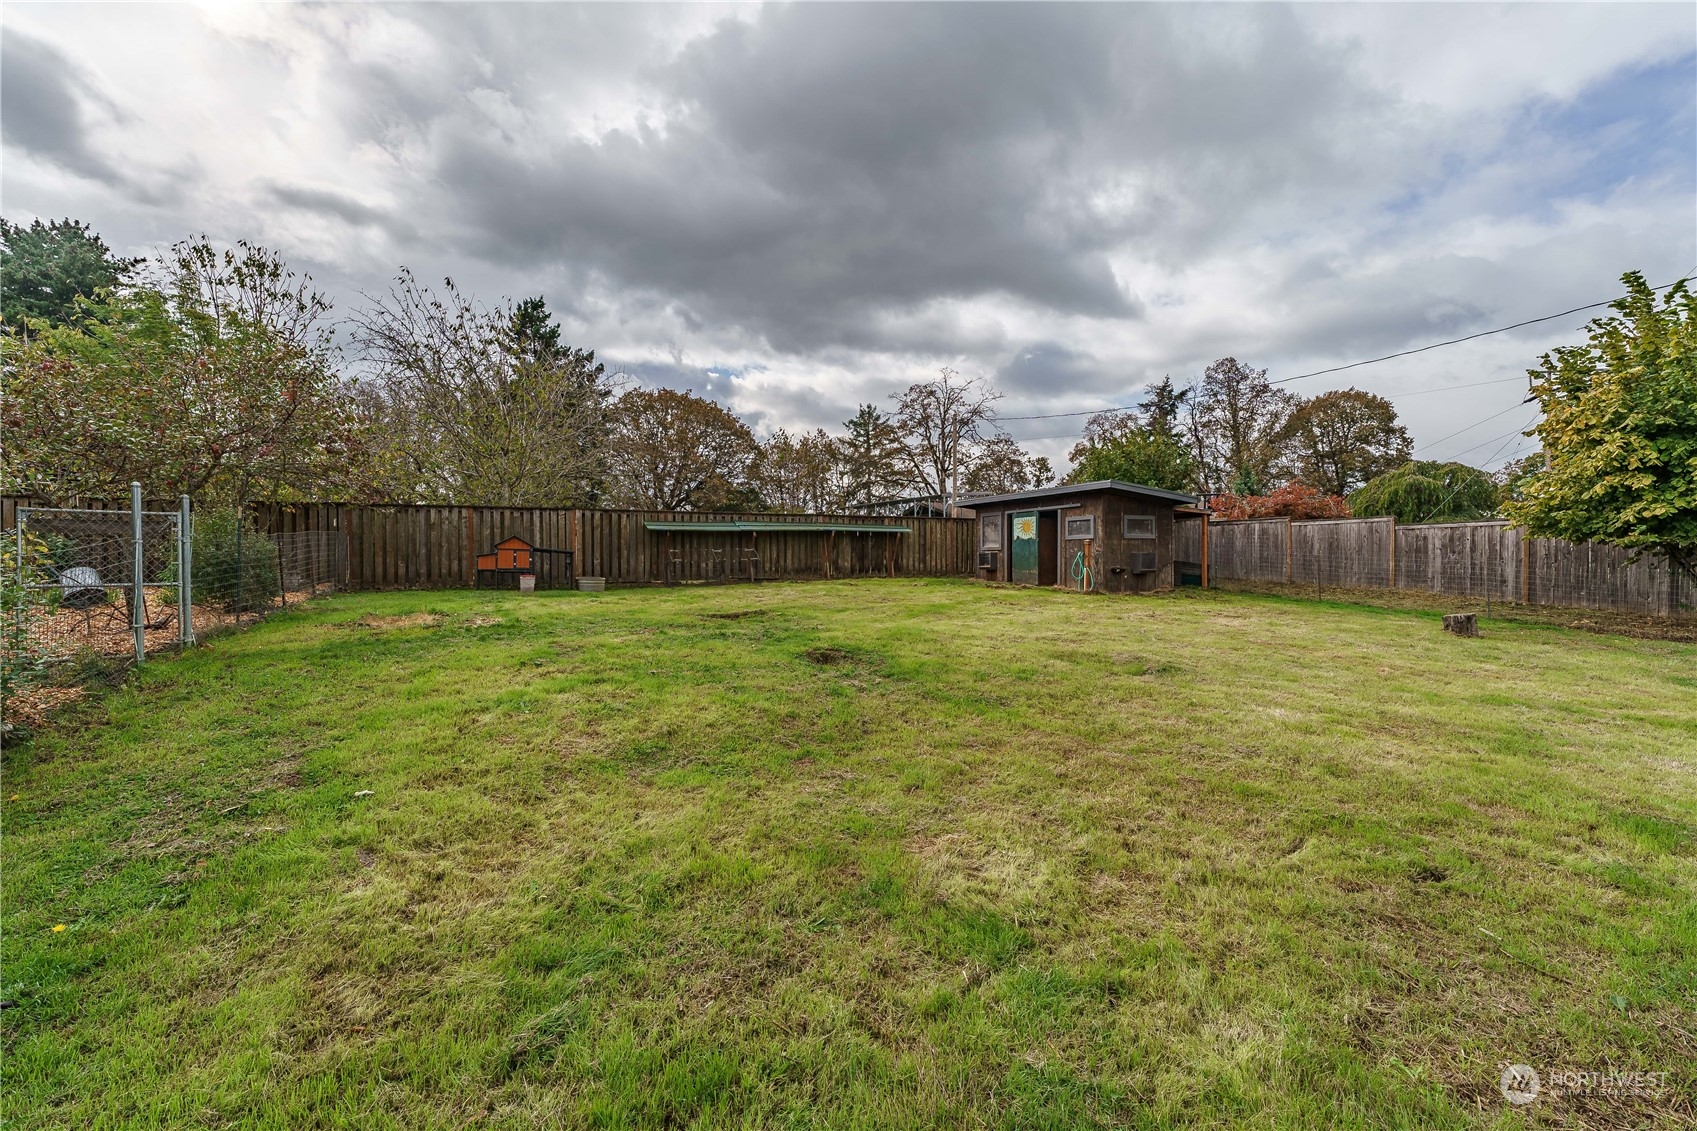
(1390, 356)
(1374, 361)
(1447, 388)
(1471, 337)
(1515, 432)
(1470, 427)
(1132, 408)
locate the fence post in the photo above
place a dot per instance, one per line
(138, 606)
(185, 574)
(241, 593)
(1204, 551)
(18, 641)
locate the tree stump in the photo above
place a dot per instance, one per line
(1462, 624)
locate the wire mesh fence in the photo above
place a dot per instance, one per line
(102, 582)
(98, 589)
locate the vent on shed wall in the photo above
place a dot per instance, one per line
(987, 559)
(1143, 563)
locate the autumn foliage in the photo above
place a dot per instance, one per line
(1293, 500)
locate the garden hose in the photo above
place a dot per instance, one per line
(1082, 573)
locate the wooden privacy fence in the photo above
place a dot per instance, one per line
(421, 546)
(1483, 560)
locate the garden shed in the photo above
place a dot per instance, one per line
(1109, 536)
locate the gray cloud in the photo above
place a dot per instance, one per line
(327, 202)
(822, 203)
(42, 99)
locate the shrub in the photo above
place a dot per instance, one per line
(22, 661)
(1293, 500)
(1428, 491)
(234, 563)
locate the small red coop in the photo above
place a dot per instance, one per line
(513, 557)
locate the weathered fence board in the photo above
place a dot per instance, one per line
(1480, 560)
(1344, 552)
(408, 546)
(1462, 559)
(1255, 549)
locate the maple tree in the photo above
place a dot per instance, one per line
(1619, 431)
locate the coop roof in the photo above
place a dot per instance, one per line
(779, 527)
(1084, 489)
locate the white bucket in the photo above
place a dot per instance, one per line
(527, 583)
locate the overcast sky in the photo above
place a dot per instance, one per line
(793, 209)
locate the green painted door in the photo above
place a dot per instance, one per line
(1023, 564)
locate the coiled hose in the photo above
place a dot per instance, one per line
(1082, 574)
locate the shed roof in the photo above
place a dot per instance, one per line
(792, 527)
(1085, 489)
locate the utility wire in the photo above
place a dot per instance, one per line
(1390, 356)
(1471, 337)
(1133, 408)
(1469, 428)
(1492, 440)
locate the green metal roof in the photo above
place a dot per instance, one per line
(780, 527)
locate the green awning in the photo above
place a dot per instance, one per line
(777, 527)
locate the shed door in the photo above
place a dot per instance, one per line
(1023, 561)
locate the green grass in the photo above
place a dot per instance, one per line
(878, 854)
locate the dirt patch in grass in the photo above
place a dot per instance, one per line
(828, 657)
(737, 615)
(400, 620)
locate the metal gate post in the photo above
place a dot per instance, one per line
(23, 519)
(138, 608)
(185, 575)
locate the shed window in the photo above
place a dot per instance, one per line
(1084, 526)
(990, 532)
(1140, 526)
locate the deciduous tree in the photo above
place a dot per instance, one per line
(1428, 491)
(676, 451)
(1119, 445)
(483, 405)
(216, 378)
(942, 425)
(1236, 425)
(801, 474)
(1337, 441)
(1620, 431)
(1000, 465)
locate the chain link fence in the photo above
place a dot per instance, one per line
(88, 592)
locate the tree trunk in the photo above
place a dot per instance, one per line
(1462, 624)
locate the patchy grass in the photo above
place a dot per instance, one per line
(873, 854)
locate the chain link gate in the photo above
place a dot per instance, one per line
(106, 582)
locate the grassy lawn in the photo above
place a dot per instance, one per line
(876, 854)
